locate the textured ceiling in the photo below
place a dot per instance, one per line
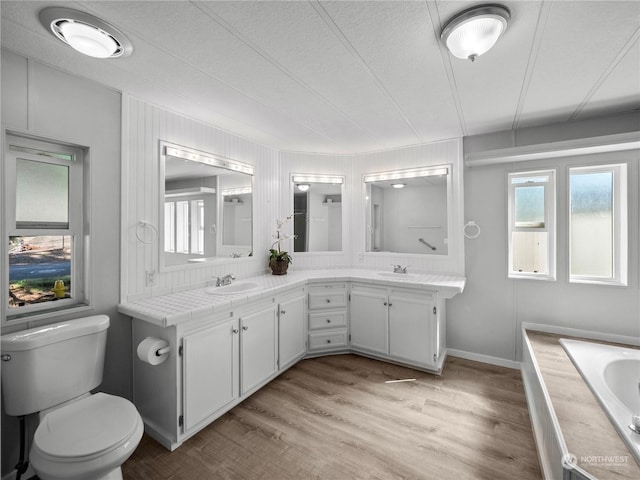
(354, 76)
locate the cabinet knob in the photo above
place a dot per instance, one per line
(328, 340)
(390, 304)
(245, 328)
(328, 300)
(385, 304)
(235, 330)
(328, 320)
(283, 312)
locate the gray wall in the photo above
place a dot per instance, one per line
(45, 102)
(486, 319)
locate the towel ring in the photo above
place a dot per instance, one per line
(471, 225)
(141, 224)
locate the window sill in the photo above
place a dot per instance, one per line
(532, 276)
(594, 281)
(25, 317)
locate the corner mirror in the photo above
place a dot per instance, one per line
(408, 211)
(317, 213)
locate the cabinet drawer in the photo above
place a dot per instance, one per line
(327, 340)
(328, 299)
(325, 320)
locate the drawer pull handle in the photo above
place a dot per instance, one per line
(283, 312)
(328, 320)
(328, 340)
(245, 328)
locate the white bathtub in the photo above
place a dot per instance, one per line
(613, 375)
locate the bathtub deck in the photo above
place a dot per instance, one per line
(586, 429)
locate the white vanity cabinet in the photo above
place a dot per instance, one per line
(327, 323)
(258, 345)
(291, 328)
(405, 325)
(215, 362)
(210, 371)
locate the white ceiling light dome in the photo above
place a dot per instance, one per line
(85, 33)
(475, 31)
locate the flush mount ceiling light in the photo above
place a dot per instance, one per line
(303, 187)
(398, 185)
(474, 31)
(85, 33)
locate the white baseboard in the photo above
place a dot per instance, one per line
(478, 357)
(575, 332)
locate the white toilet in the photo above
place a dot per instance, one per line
(51, 370)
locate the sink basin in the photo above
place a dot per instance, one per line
(239, 287)
(399, 276)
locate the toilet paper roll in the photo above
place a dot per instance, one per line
(148, 350)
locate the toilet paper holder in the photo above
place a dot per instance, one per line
(153, 350)
(162, 351)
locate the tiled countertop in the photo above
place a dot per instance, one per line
(174, 308)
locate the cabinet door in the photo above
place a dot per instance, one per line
(210, 371)
(258, 347)
(411, 330)
(369, 330)
(291, 331)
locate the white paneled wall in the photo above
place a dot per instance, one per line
(438, 153)
(143, 126)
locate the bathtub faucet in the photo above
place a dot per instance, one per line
(399, 269)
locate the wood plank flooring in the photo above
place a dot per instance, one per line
(335, 418)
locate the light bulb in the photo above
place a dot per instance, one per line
(88, 39)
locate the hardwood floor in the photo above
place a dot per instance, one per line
(336, 418)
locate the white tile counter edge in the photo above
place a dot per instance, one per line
(178, 307)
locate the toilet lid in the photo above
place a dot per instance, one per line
(87, 427)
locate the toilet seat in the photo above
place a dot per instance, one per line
(87, 428)
(87, 438)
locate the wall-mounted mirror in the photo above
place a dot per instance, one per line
(207, 207)
(407, 211)
(317, 213)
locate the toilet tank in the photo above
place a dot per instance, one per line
(46, 366)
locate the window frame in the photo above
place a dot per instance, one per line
(77, 228)
(550, 221)
(620, 223)
(193, 227)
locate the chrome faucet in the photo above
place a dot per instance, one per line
(399, 269)
(226, 280)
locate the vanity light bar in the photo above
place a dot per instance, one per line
(411, 173)
(235, 191)
(216, 161)
(317, 179)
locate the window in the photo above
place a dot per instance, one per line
(45, 220)
(532, 225)
(598, 224)
(184, 226)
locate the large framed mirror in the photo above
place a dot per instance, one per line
(408, 211)
(317, 212)
(207, 207)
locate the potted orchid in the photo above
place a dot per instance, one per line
(279, 260)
